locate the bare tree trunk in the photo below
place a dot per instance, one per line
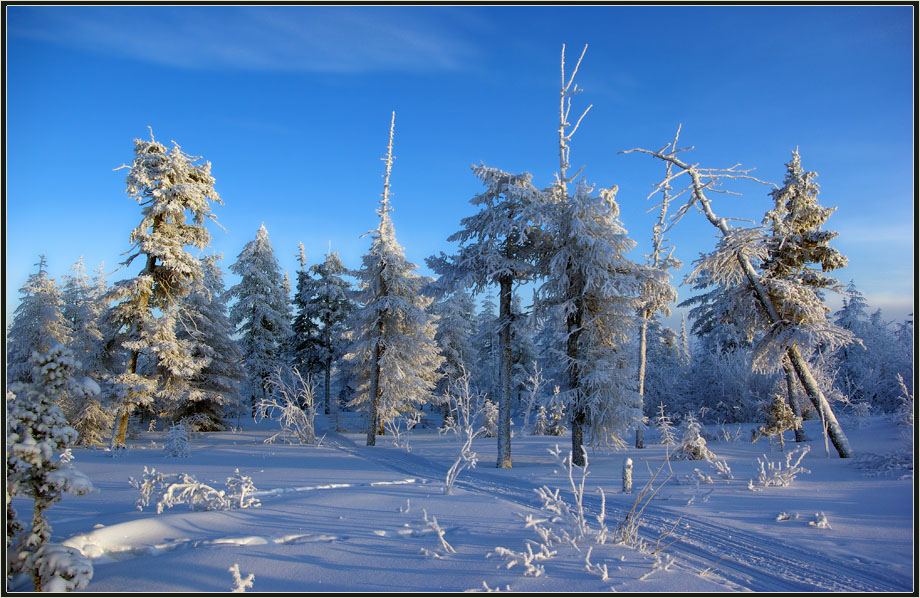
(504, 400)
(793, 400)
(643, 349)
(328, 380)
(373, 399)
(578, 415)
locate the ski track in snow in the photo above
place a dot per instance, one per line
(750, 561)
(745, 560)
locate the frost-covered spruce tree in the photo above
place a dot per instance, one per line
(456, 329)
(216, 387)
(755, 298)
(38, 323)
(37, 463)
(598, 289)
(261, 313)
(303, 327)
(485, 339)
(394, 352)
(498, 246)
(867, 370)
(324, 301)
(84, 309)
(176, 193)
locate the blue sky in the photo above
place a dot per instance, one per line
(291, 104)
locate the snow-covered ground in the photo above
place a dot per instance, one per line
(343, 517)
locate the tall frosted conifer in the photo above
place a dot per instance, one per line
(394, 351)
(175, 193)
(206, 323)
(598, 289)
(498, 246)
(456, 327)
(261, 312)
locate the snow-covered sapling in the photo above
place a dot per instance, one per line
(820, 521)
(36, 433)
(665, 427)
(291, 404)
(490, 418)
(779, 418)
(177, 444)
(692, 444)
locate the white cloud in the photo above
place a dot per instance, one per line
(281, 38)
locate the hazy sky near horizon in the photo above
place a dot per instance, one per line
(292, 105)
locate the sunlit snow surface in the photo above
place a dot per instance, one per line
(348, 518)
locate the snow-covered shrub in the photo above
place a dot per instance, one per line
(727, 435)
(692, 445)
(399, 427)
(468, 409)
(627, 531)
(36, 433)
(530, 560)
(177, 444)
(772, 473)
(291, 405)
(779, 418)
(240, 584)
(171, 489)
(665, 427)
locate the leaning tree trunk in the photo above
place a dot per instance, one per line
(793, 400)
(504, 400)
(832, 427)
